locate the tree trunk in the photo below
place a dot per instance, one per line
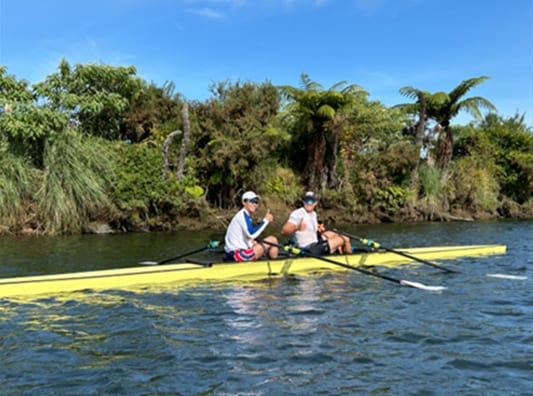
(184, 142)
(166, 147)
(315, 162)
(332, 158)
(419, 136)
(444, 149)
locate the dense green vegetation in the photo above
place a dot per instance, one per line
(86, 146)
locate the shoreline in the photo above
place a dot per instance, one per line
(219, 219)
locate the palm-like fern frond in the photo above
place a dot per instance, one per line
(465, 86)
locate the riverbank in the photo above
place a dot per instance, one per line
(218, 219)
(331, 213)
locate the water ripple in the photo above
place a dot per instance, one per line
(331, 334)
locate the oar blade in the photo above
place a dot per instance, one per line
(148, 263)
(421, 286)
(506, 276)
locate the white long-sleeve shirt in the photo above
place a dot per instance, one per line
(241, 231)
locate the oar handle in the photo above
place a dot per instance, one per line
(364, 241)
(215, 244)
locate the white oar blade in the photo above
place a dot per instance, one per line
(148, 263)
(421, 286)
(505, 276)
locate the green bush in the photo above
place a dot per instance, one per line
(144, 198)
(391, 198)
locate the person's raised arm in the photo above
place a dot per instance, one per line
(288, 229)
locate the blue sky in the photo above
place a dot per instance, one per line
(381, 45)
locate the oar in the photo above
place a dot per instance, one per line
(376, 245)
(211, 245)
(301, 252)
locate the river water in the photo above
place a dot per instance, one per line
(331, 334)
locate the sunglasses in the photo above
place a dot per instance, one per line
(253, 201)
(309, 201)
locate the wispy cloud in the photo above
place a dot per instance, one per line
(213, 9)
(230, 3)
(294, 3)
(221, 8)
(373, 7)
(368, 7)
(207, 12)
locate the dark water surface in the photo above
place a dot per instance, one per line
(335, 334)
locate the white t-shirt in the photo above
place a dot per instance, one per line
(309, 235)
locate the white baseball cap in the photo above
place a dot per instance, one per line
(309, 195)
(250, 195)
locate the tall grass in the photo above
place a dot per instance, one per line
(474, 187)
(431, 186)
(17, 180)
(75, 183)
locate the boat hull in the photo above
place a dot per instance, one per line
(189, 273)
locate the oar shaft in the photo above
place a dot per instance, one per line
(363, 271)
(334, 262)
(183, 255)
(376, 245)
(211, 245)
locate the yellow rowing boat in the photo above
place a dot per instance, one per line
(192, 273)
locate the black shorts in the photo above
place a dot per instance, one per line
(319, 248)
